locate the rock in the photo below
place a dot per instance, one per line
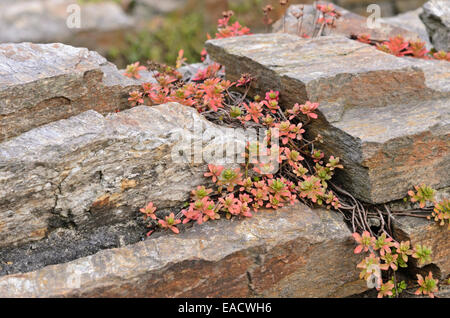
(293, 252)
(41, 83)
(387, 7)
(408, 5)
(102, 25)
(436, 17)
(371, 106)
(149, 8)
(91, 170)
(146, 77)
(410, 21)
(401, 205)
(437, 74)
(190, 70)
(349, 24)
(444, 291)
(428, 233)
(65, 244)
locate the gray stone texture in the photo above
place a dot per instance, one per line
(436, 17)
(90, 170)
(42, 83)
(292, 252)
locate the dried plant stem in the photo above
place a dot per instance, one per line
(321, 29)
(299, 26)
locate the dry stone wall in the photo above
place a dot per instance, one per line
(73, 172)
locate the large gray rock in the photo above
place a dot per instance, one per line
(103, 25)
(386, 117)
(41, 83)
(436, 17)
(91, 170)
(293, 252)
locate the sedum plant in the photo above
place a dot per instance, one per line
(422, 195)
(387, 255)
(398, 46)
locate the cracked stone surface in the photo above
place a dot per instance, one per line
(66, 243)
(349, 24)
(90, 170)
(42, 83)
(387, 118)
(436, 17)
(274, 254)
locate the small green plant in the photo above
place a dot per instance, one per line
(132, 70)
(170, 223)
(422, 253)
(386, 289)
(397, 290)
(441, 212)
(387, 255)
(427, 285)
(442, 55)
(422, 195)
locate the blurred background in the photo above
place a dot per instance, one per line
(126, 31)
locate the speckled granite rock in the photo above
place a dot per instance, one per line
(41, 83)
(349, 24)
(91, 170)
(386, 117)
(274, 254)
(436, 17)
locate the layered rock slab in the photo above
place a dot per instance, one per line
(42, 83)
(386, 117)
(90, 170)
(292, 252)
